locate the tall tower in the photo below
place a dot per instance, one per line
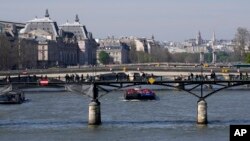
(198, 39)
(214, 49)
(198, 42)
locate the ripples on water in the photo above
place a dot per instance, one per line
(63, 116)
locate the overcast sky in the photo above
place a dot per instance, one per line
(167, 20)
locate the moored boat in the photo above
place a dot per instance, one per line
(12, 97)
(139, 94)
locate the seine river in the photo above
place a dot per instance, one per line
(63, 116)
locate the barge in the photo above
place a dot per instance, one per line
(139, 94)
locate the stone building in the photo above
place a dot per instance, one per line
(140, 44)
(86, 43)
(11, 29)
(59, 53)
(53, 49)
(118, 51)
(40, 27)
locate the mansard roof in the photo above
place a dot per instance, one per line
(45, 24)
(45, 20)
(78, 29)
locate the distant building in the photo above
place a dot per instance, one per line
(151, 43)
(198, 49)
(189, 42)
(140, 44)
(199, 40)
(11, 29)
(176, 49)
(119, 52)
(51, 53)
(40, 27)
(86, 43)
(52, 49)
(1, 28)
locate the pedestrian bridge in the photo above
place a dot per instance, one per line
(162, 69)
(200, 87)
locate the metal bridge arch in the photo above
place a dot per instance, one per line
(185, 85)
(182, 86)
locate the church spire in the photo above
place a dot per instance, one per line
(47, 13)
(198, 39)
(77, 19)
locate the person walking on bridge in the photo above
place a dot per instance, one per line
(192, 76)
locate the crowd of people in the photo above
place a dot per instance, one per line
(143, 76)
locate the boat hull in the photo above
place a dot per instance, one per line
(13, 97)
(143, 94)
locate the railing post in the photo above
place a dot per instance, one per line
(95, 108)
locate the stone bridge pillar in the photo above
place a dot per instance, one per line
(95, 109)
(94, 113)
(202, 112)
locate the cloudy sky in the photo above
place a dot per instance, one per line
(167, 20)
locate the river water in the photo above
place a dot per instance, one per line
(63, 116)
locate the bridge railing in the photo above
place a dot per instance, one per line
(123, 77)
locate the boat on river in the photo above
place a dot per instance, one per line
(139, 94)
(12, 97)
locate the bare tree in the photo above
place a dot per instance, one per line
(17, 53)
(160, 54)
(185, 57)
(241, 39)
(5, 52)
(27, 53)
